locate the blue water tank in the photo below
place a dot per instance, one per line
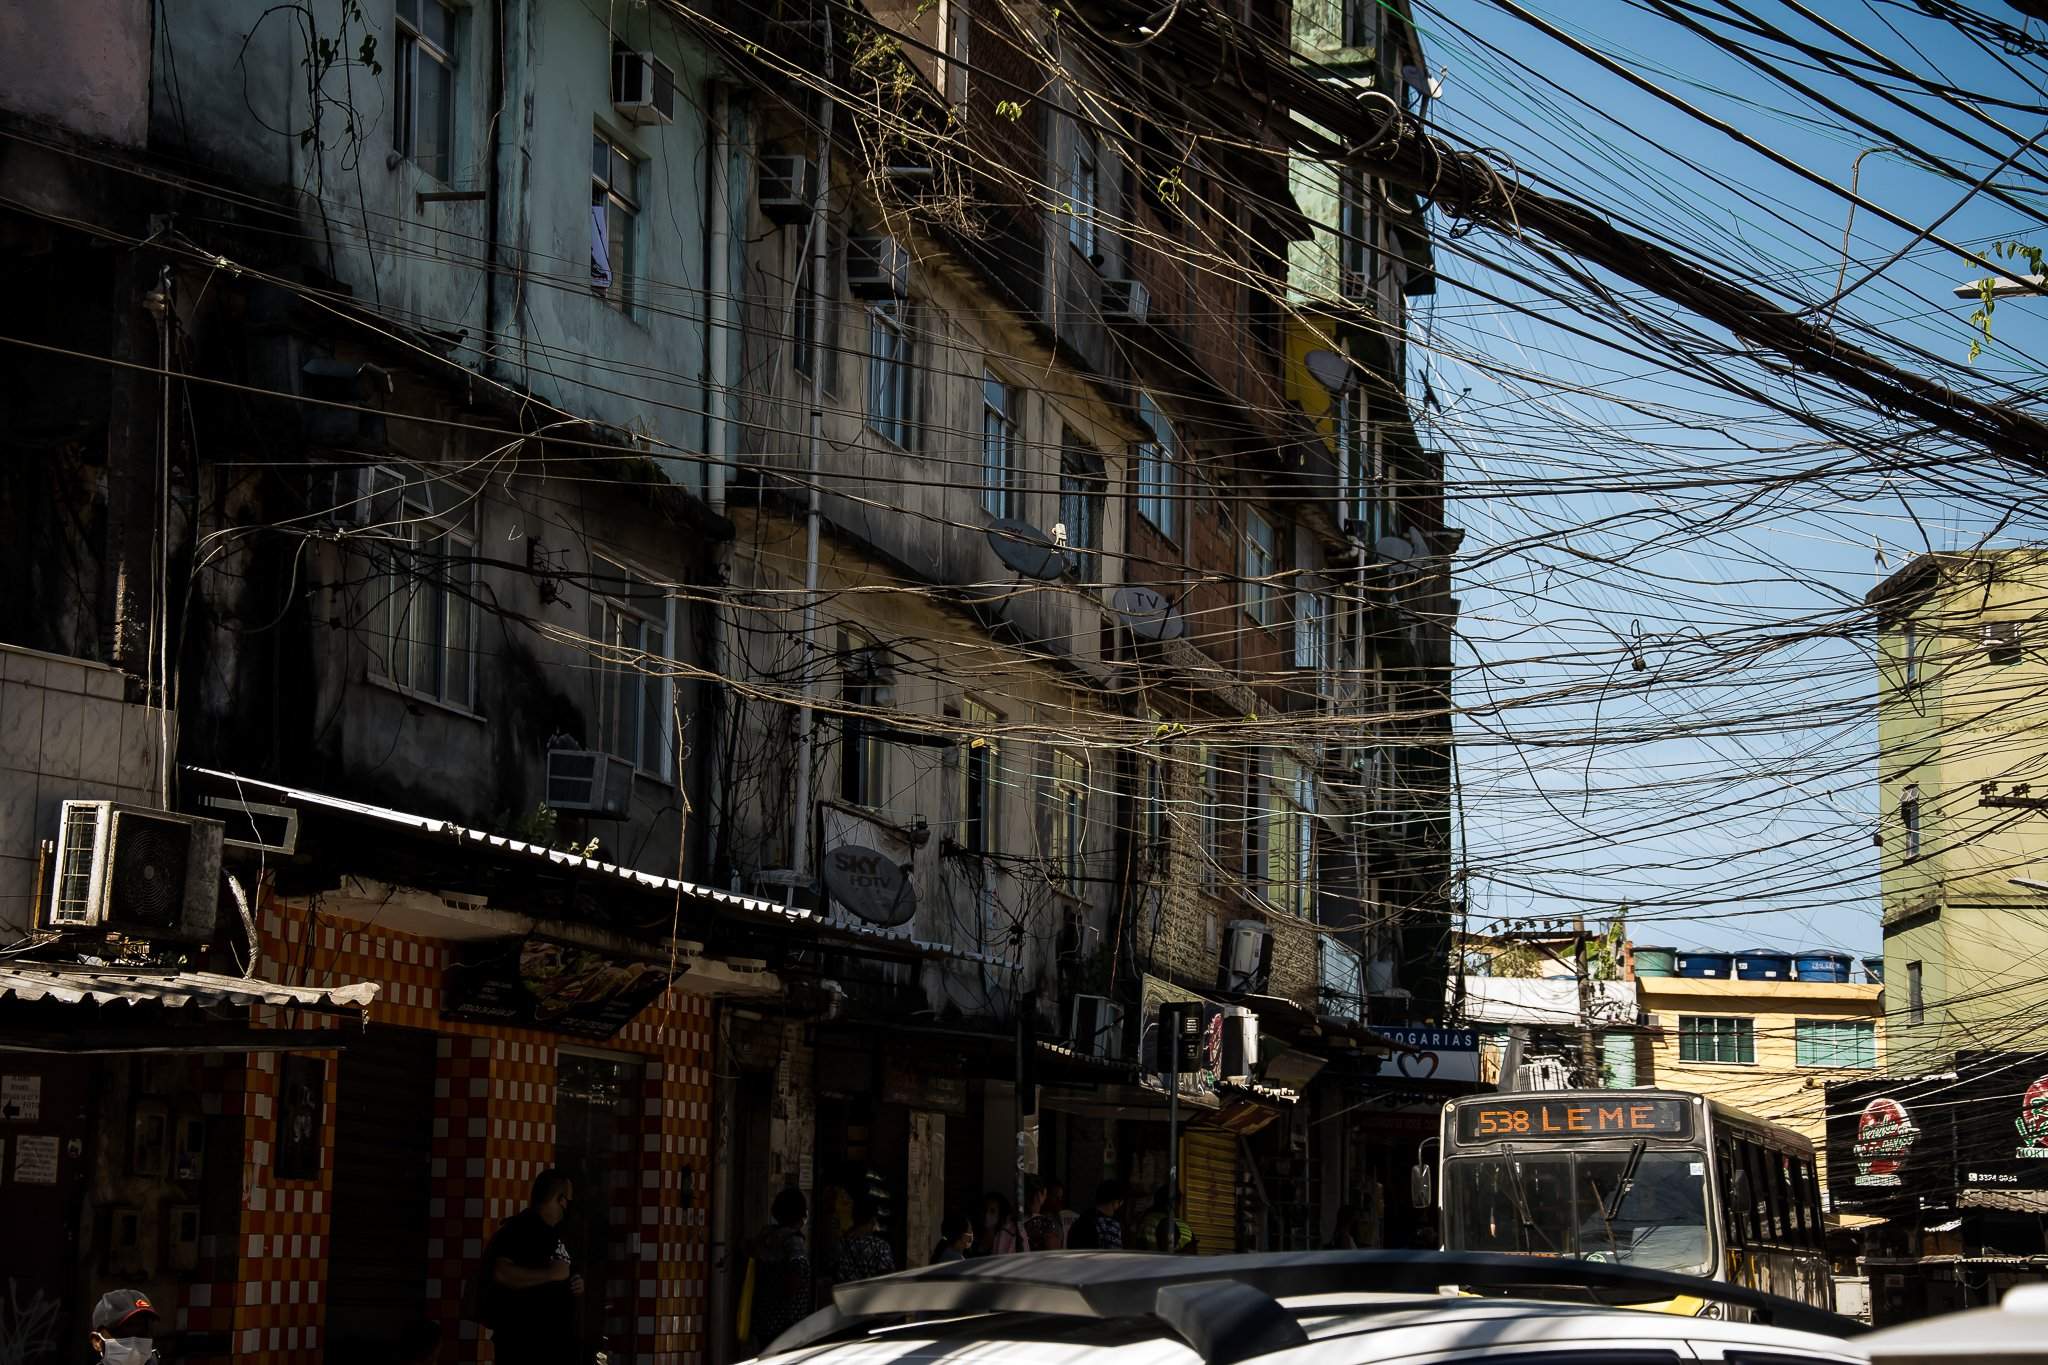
(1760, 964)
(1822, 966)
(1698, 965)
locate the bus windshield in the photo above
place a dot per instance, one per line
(1575, 1203)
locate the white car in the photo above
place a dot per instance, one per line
(1306, 1308)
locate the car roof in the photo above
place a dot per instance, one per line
(1370, 1328)
(1225, 1310)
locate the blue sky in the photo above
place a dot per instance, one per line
(1667, 691)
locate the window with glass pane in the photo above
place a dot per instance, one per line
(1260, 562)
(614, 220)
(1909, 817)
(1067, 797)
(430, 601)
(1157, 461)
(1355, 255)
(1311, 630)
(864, 756)
(1251, 816)
(1084, 185)
(981, 778)
(1081, 494)
(890, 383)
(1846, 1043)
(423, 73)
(1710, 1038)
(1290, 834)
(1909, 647)
(1361, 23)
(1209, 819)
(630, 625)
(999, 448)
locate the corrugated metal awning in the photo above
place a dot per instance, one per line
(76, 985)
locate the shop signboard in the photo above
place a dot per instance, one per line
(1889, 1141)
(545, 984)
(1432, 1054)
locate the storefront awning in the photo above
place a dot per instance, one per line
(141, 1009)
(481, 841)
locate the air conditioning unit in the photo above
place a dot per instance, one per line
(1240, 1060)
(590, 782)
(1247, 957)
(788, 187)
(643, 87)
(150, 874)
(1098, 1027)
(877, 267)
(1126, 301)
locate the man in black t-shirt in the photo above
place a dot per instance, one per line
(532, 1286)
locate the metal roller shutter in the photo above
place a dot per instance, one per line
(1208, 1172)
(383, 1157)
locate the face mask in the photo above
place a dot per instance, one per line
(128, 1351)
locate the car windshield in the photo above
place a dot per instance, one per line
(1575, 1204)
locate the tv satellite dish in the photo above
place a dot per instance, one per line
(1149, 614)
(1396, 549)
(1028, 550)
(1330, 369)
(870, 885)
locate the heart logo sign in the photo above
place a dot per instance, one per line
(1419, 1066)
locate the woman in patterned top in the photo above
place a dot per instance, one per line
(1042, 1230)
(863, 1253)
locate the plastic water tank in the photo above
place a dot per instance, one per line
(1759, 964)
(1656, 962)
(1716, 965)
(1822, 966)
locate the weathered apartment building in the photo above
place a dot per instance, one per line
(560, 491)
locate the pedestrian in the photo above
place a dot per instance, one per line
(782, 1269)
(1344, 1236)
(956, 1236)
(1042, 1230)
(1056, 1205)
(1162, 1228)
(1100, 1229)
(124, 1329)
(863, 1253)
(530, 1297)
(1000, 1235)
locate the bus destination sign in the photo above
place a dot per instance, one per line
(1517, 1119)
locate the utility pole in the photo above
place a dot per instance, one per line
(1589, 1054)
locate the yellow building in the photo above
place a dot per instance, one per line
(1962, 829)
(1767, 1047)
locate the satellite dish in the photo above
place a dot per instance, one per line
(1149, 614)
(1330, 369)
(1028, 550)
(1396, 549)
(870, 885)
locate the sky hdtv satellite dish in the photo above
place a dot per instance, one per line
(1028, 550)
(1149, 614)
(870, 885)
(1330, 369)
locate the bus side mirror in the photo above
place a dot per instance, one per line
(1420, 1191)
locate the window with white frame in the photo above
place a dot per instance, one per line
(1290, 836)
(1716, 1038)
(614, 220)
(958, 26)
(632, 625)
(1850, 1044)
(1909, 653)
(1909, 818)
(865, 687)
(1260, 561)
(1081, 496)
(1311, 631)
(981, 779)
(428, 589)
(423, 75)
(1084, 191)
(1158, 461)
(1067, 822)
(1251, 817)
(1356, 259)
(1001, 451)
(892, 384)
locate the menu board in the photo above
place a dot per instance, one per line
(541, 983)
